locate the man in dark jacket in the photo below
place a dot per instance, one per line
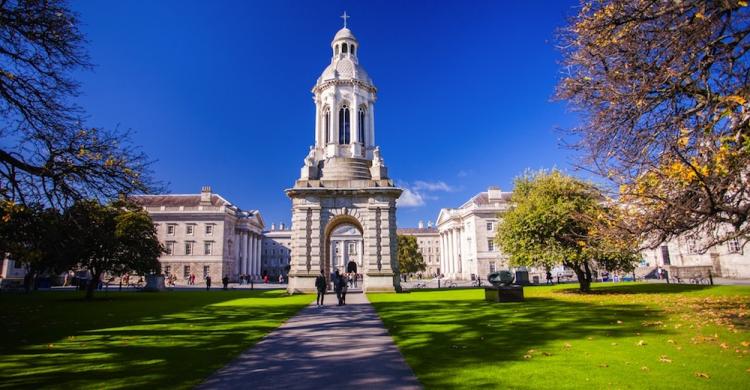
(225, 282)
(338, 287)
(320, 284)
(208, 282)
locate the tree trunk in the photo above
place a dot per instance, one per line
(28, 279)
(584, 277)
(93, 284)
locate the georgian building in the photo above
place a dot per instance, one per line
(467, 236)
(204, 234)
(276, 252)
(728, 260)
(428, 241)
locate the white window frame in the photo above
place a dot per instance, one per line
(209, 229)
(169, 247)
(189, 248)
(208, 248)
(490, 245)
(171, 228)
(190, 229)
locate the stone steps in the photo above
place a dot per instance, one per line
(344, 168)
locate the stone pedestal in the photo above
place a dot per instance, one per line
(513, 293)
(154, 283)
(522, 277)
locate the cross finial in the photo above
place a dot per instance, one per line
(345, 17)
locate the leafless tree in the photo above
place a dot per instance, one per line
(47, 154)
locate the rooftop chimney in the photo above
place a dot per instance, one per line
(206, 195)
(421, 225)
(429, 224)
(283, 226)
(494, 193)
(273, 226)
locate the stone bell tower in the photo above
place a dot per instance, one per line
(344, 181)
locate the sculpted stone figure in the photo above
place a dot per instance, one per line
(310, 159)
(377, 160)
(501, 278)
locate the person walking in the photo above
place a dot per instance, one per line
(338, 286)
(344, 288)
(225, 282)
(320, 285)
(208, 282)
(549, 277)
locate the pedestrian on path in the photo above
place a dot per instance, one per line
(344, 288)
(338, 287)
(320, 284)
(208, 282)
(225, 282)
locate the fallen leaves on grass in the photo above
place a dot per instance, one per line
(527, 357)
(665, 359)
(702, 375)
(567, 345)
(644, 368)
(641, 343)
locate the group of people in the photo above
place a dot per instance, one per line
(341, 283)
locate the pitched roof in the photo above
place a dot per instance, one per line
(188, 200)
(416, 230)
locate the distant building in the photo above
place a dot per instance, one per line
(467, 236)
(728, 260)
(204, 234)
(11, 272)
(276, 252)
(428, 240)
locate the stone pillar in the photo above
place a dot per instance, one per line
(442, 253)
(371, 129)
(307, 240)
(319, 136)
(241, 252)
(258, 249)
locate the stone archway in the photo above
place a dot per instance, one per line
(347, 229)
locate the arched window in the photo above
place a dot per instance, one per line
(344, 125)
(353, 50)
(343, 48)
(361, 124)
(327, 124)
(337, 50)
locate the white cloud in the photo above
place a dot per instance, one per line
(410, 198)
(420, 185)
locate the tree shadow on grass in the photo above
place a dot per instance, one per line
(150, 340)
(438, 337)
(640, 288)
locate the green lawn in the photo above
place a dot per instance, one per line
(146, 340)
(626, 336)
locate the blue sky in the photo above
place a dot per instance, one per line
(218, 93)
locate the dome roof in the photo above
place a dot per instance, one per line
(344, 69)
(344, 33)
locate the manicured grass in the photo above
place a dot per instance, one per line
(629, 336)
(140, 340)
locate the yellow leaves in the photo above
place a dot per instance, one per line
(641, 343)
(703, 375)
(567, 345)
(527, 357)
(665, 359)
(736, 99)
(742, 3)
(644, 368)
(745, 344)
(81, 152)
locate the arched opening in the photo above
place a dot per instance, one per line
(327, 124)
(344, 247)
(361, 125)
(343, 48)
(354, 50)
(344, 125)
(336, 50)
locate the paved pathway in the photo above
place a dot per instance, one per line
(321, 348)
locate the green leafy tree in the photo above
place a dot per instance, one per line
(409, 258)
(112, 239)
(557, 219)
(33, 236)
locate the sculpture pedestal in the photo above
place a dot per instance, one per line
(154, 283)
(511, 293)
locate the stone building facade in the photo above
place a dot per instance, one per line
(344, 182)
(729, 260)
(204, 234)
(276, 252)
(428, 240)
(467, 236)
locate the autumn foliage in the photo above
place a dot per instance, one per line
(663, 90)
